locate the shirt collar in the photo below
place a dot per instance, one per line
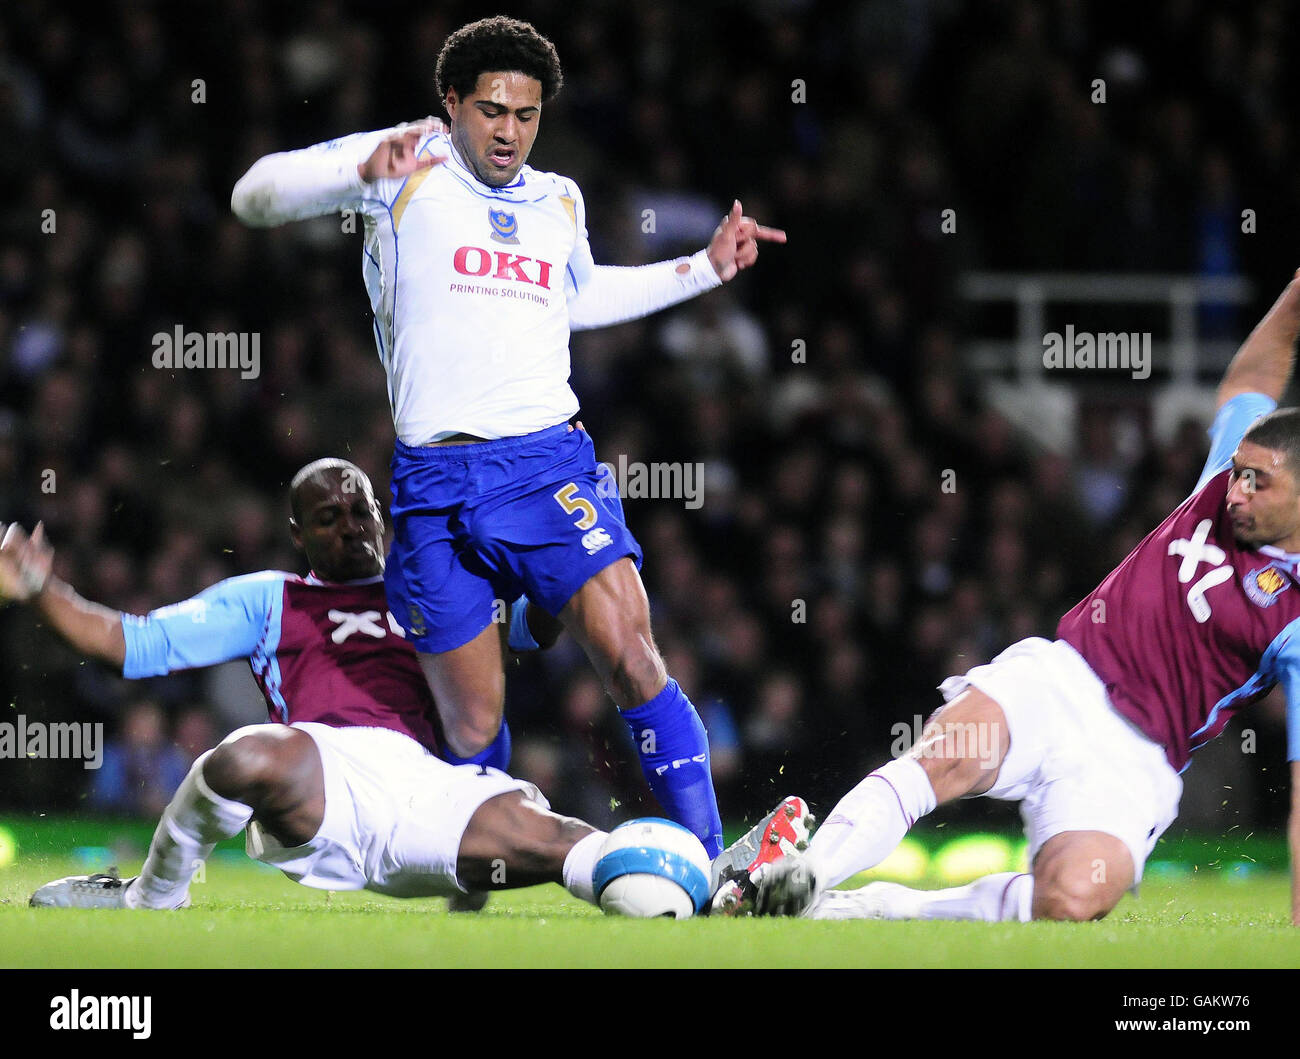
(1274, 552)
(466, 173)
(312, 579)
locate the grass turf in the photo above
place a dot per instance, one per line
(248, 916)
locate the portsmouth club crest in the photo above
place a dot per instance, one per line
(505, 228)
(1263, 586)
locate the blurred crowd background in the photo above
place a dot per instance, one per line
(828, 581)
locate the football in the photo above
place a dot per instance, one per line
(652, 867)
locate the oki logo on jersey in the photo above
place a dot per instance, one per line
(476, 261)
(1265, 585)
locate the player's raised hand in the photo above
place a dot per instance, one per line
(734, 245)
(25, 562)
(396, 157)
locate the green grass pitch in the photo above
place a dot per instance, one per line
(245, 915)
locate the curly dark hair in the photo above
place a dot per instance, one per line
(496, 43)
(1280, 431)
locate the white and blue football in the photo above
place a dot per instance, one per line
(652, 867)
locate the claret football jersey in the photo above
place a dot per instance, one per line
(320, 651)
(1192, 626)
(470, 287)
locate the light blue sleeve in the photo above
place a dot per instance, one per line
(1287, 667)
(225, 622)
(1228, 428)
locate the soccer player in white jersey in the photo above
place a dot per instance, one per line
(345, 789)
(478, 267)
(1091, 732)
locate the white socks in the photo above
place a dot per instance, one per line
(195, 820)
(870, 821)
(580, 866)
(863, 830)
(993, 899)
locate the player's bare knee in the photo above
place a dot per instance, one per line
(239, 769)
(638, 673)
(468, 734)
(1080, 883)
(1072, 899)
(253, 768)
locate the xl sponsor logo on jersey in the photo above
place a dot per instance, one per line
(366, 622)
(501, 264)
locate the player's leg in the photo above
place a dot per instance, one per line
(441, 830)
(550, 519)
(609, 616)
(271, 773)
(512, 840)
(268, 772)
(1077, 876)
(961, 749)
(1095, 796)
(1081, 875)
(469, 686)
(961, 752)
(442, 595)
(276, 771)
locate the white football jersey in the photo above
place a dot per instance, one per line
(475, 289)
(469, 286)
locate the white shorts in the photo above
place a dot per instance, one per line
(394, 815)
(1073, 763)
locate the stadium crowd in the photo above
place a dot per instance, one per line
(868, 525)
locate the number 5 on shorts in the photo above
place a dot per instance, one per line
(572, 504)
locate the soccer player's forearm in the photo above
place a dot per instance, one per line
(295, 185)
(1293, 841)
(614, 295)
(1264, 362)
(89, 627)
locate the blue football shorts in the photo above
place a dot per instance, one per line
(480, 523)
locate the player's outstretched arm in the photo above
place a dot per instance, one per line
(1263, 363)
(604, 295)
(325, 178)
(26, 575)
